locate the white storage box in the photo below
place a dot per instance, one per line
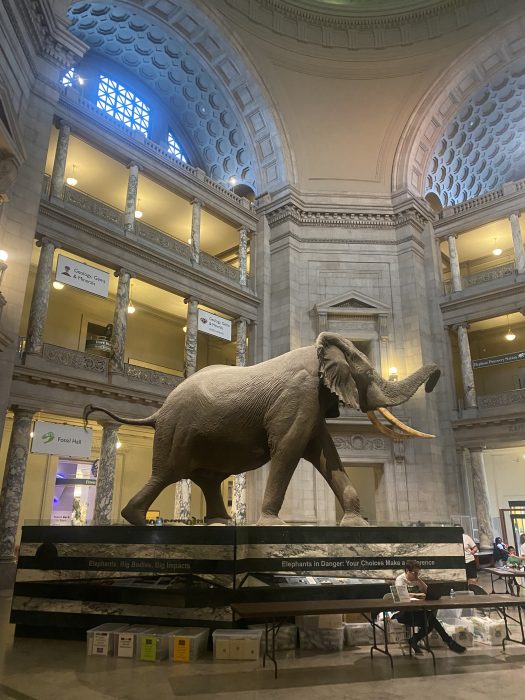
(435, 641)
(488, 631)
(464, 632)
(154, 644)
(396, 632)
(319, 622)
(188, 643)
(323, 639)
(285, 638)
(127, 640)
(357, 633)
(240, 645)
(102, 640)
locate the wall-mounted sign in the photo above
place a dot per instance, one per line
(62, 440)
(498, 359)
(82, 276)
(215, 325)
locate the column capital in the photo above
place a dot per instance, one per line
(132, 164)
(191, 299)
(515, 213)
(456, 326)
(452, 235)
(477, 448)
(241, 319)
(109, 423)
(121, 271)
(61, 123)
(44, 240)
(23, 411)
(197, 201)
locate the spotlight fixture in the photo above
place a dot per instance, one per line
(72, 180)
(392, 374)
(496, 250)
(58, 285)
(232, 180)
(509, 335)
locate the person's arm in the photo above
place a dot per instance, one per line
(421, 585)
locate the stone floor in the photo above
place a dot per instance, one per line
(32, 669)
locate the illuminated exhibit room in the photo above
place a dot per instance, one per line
(262, 349)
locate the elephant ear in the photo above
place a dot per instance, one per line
(334, 371)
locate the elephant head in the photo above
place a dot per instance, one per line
(348, 374)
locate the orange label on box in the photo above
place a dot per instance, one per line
(181, 649)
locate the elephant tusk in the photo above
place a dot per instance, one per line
(411, 432)
(383, 428)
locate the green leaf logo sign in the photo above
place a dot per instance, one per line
(48, 437)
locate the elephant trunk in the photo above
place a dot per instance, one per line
(382, 393)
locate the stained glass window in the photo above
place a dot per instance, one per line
(175, 149)
(122, 104)
(67, 78)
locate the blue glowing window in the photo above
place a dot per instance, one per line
(67, 78)
(175, 149)
(122, 104)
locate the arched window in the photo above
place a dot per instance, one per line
(122, 104)
(175, 149)
(71, 77)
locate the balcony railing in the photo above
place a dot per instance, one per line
(507, 398)
(152, 376)
(492, 273)
(75, 359)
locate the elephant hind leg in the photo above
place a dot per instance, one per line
(135, 511)
(211, 489)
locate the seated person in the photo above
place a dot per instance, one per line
(499, 552)
(426, 621)
(471, 549)
(513, 559)
(522, 547)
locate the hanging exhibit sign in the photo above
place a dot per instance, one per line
(215, 325)
(62, 440)
(498, 359)
(78, 274)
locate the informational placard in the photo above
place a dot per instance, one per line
(181, 649)
(498, 359)
(215, 325)
(62, 440)
(78, 274)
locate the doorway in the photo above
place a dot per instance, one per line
(364, 478)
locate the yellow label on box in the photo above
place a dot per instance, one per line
(181, 649)
(148, 649)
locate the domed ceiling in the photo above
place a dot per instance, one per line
(170, 64)
(362, 7)
(484, 146)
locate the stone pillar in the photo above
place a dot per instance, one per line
(182, 510)
(243, 255)
(481, 497)
(467, 375)
(253, 261)
(517, 242)
(454, 264)
(239, 480)
(190, 345)
(195, 231)
(12, 489)
(120, 319)
(106, 473)
(40, 299)
(59, 165)
(131, 198)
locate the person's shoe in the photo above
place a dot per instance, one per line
(415, 648)
(456, 648)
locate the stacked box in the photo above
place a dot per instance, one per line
(435, 641)
(396, 632)
(102, 640)
(241, 645)
(322, 639)
(357, 633)
(319, 622)
(154, 644)
(127, 640)
(464, 632)
(488, 631)
(285, 638)
(188, 643)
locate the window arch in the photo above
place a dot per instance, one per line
(122, 104)
(174, 148)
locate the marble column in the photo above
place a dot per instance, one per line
(40, 299)
(481, 498)
(253, 263)
(106, 473)
(465, 359)
(190, 345)
(243, 255)
(454, 264)
(131, 198)
(120, 319)
(517, 242)
(13, 483)
(239, 480)
(182, 510)
(195, 231)
(58, 175)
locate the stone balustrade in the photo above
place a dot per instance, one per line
(492, 273)
(152, 376)
(221, 268)
(75, 359)
(506, 398)
(93, 206)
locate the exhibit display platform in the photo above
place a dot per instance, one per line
(70, 579)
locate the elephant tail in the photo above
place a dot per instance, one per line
(150, 420)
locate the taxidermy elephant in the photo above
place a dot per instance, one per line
(227, 420)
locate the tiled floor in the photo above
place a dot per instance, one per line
(52, 670)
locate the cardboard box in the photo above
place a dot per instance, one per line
(322, 639)
(102, 640)
(188, 643)
(239, 645)
(318, 622)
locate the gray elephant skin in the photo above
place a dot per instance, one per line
(227, 420)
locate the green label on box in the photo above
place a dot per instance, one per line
(148, 649)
